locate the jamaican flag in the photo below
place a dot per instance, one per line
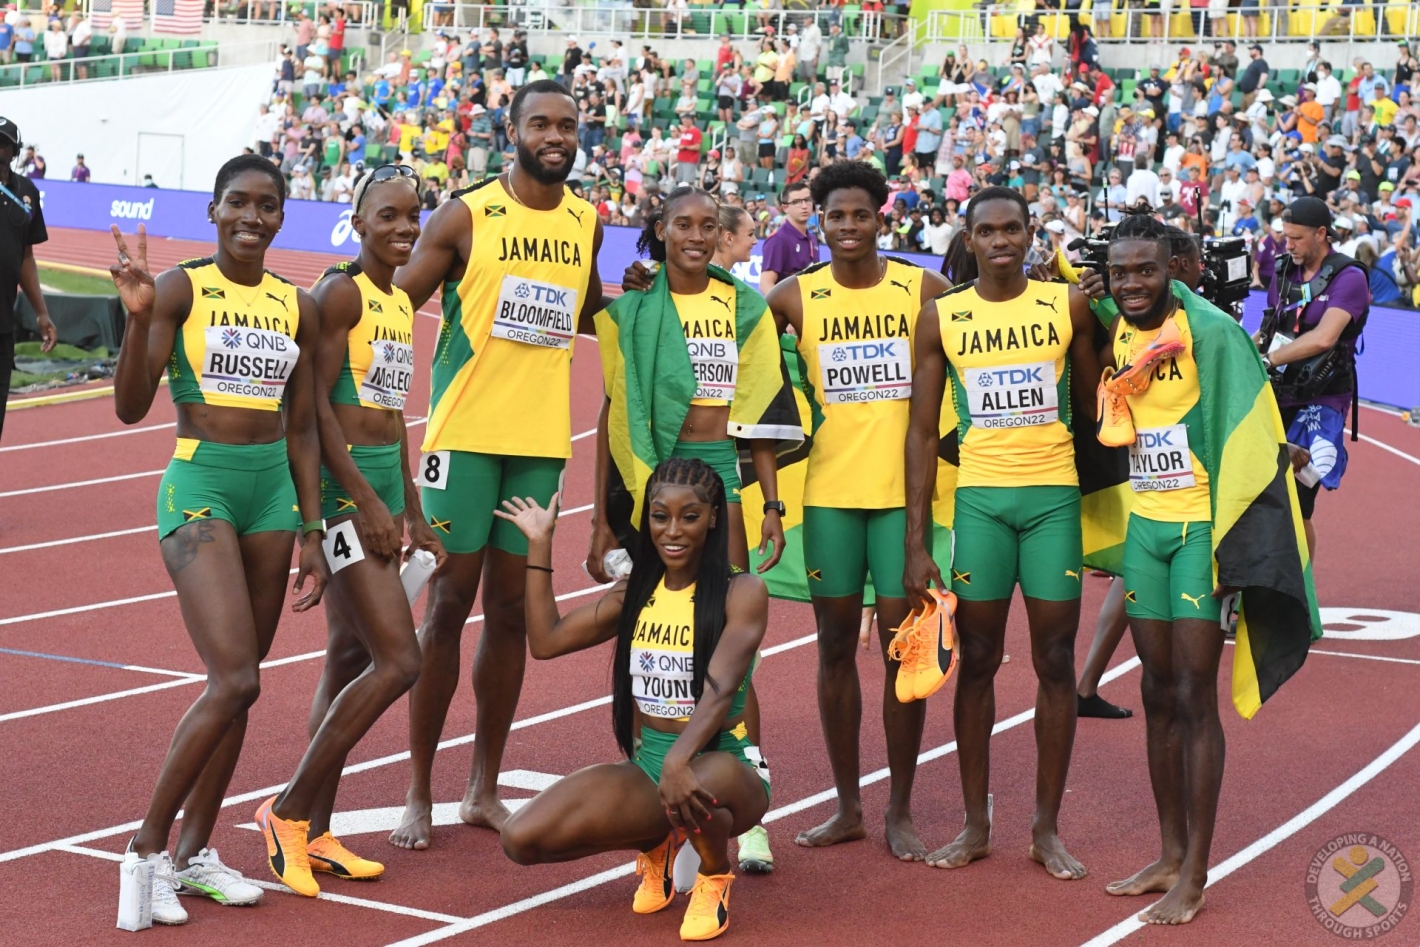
(1259, 545)
(789, 580)
(649, 378)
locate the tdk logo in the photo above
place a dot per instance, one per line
(871, 350)
(549, 295)
(131, 210)
(1152, 440)
(1010, 376)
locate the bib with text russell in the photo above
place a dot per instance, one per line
(250, 363)
(856, 372)
(662, 665)
(535, 313)
(1159, 459)
(1008, 396)
(391, 372)
(717, 366)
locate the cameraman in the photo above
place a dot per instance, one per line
(1320, 299)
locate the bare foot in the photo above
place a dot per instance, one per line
(484, 812)
(902, 838)
(1179, 906)
(843, 827)
(966, 848)
(1149, 879)
(415, 826)
(1050, 852)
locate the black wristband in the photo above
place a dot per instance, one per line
(547, 569)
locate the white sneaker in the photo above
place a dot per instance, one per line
(687, 866)
(166, 909)
(206, 875)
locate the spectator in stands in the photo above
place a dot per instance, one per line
(810, 47)
(305, 30)
(56, 49)
(688, 155)
(836, 51)
(571, 59)
(313, 73)
(81, 35)
(24, 41)
(7, 41)
(80, 171)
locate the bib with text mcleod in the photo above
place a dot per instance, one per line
(857, 372)
(250, 363)
(1159, 459)
(716, 363)
(662, 666)
(1009, 396)
(535, 313)
(391, 373)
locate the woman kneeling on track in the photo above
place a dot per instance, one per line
(237, 343)
(686, 631)
(364, 366)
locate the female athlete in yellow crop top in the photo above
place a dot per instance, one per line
(686, 632)
(364, 366)
(237, 344)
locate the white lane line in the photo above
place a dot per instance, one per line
(378, 762)
(50, 544)
(1364, 657)
(90, 437)
(273, 886)
(774, 815)
(79, 483)
(1386, 447)
(1280, 834)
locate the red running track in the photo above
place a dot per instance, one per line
(83, 741)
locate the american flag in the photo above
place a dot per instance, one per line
(130, 11)
(177, 16)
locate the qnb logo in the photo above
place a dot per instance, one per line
(1155, 439)
(343, 232)
(1009, 376)
(131, 210)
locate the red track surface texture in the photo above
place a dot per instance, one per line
(82, 741)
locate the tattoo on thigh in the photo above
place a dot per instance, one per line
(181, 547)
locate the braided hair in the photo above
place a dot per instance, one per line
(712, 585)
(652, 245)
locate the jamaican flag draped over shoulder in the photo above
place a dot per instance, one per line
(789, 580)
(649, 378)
(1259, 545)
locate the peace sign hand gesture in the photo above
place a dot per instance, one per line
(130, 274)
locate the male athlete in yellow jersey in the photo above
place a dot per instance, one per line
(854, 317)
(1009, 346)
(516, 257)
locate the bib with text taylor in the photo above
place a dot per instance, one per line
(535, 313)
(1159, 459)
(855, 372)
(1009, 396)
(252, 363)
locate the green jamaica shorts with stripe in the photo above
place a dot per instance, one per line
(248, 485)
(380, 465)
(842, 547)
(1010, 534)
(655, 744)
(459, 491)
(1168, 571)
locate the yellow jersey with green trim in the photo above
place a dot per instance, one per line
(379, 354)
(1170, 481)
(501, 381)
(1010, 381)
(663, 657)
(237, 346)
(708, 321)
(857, 350)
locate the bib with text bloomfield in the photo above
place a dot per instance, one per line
(535, 313)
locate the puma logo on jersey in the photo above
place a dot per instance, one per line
(723, 302)
(901, 286)
(278, 299)
(576, 214)
(1073, 575)
(1048, 302)
(1191, 599)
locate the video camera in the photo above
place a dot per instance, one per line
(1227, 272)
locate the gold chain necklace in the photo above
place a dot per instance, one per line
(512, 191)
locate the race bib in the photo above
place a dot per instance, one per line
(716, 363)
(391, 372)
(1008, 396)
(1159, 459)
(535, 313)
(342, 546)
(856, 372)
(660, 681)
(433, 473)
(248, 363)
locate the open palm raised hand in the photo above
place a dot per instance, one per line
(130, 274)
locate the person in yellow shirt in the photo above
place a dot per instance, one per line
(1385, 108)
(408, 133)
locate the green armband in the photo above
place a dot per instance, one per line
(312, 526)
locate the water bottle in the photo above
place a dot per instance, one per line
(617, 564)
(415, 573)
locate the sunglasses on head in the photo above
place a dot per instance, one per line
(384, 173)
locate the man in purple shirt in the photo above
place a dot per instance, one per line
(1316, 314)
(791, 248)
(80, 172)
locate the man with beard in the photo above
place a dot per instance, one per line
(1191, 454)
(1004, 341)
(516, 257)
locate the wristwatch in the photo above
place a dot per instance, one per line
(776, 505)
